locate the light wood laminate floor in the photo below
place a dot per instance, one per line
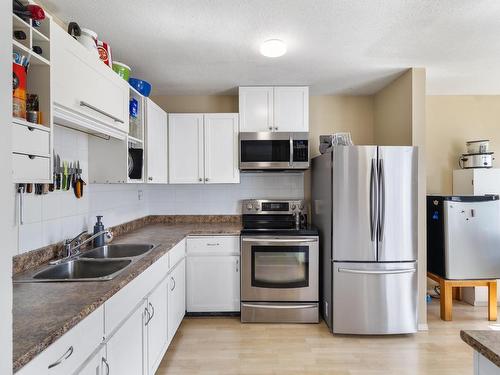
(225, 346)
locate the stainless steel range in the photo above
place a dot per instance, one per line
(279, 263)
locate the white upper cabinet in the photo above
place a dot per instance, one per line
(256, 109)
(156, 143)
(86, 92)
(203, 148)
(185, 146)
(221, 148)
(291, 109)
(278, 109)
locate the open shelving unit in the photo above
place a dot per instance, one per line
(38, 81)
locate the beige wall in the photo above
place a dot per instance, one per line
(335, 113)
(198, 104)
(393, 112)
(451, 121)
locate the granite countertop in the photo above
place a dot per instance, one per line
(486, 343)
(43, 312)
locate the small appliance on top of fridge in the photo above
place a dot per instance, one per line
(365, 208)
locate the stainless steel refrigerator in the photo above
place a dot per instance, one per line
(364, 203)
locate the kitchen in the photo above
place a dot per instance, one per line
(199, 181)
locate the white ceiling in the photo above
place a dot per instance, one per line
(189, 47)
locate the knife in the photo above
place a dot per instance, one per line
(64, 176)
(54, 171)
(58, 173)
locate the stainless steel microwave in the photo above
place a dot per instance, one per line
(274, 150)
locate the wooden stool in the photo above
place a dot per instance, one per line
(451, 289)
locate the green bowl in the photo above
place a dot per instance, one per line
(122, 70)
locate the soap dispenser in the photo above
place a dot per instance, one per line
(99, 227)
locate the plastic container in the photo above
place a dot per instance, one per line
(143, 87)
(88, 39)
(122, 70)
(18, 91)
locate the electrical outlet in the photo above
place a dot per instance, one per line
(139, 195)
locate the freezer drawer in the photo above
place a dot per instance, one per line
(374, 298)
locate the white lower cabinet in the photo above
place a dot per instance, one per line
(131, 332)
(156, 326)
(125, 348)
(176, 298)
(95, 365)
(213, 274)
(71, 350)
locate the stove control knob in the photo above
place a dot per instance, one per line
(301, 207)
(249, 206)
(293, 207)
(256, 208)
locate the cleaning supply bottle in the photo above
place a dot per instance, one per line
(99, 227)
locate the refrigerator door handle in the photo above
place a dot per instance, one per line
(381, 199)
(373, 199)
(378, 272)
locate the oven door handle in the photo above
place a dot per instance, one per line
(254, 305)
(278, 240)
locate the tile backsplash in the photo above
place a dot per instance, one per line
(58, 215)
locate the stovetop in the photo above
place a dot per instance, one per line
(307, 231)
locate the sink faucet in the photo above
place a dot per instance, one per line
(72, 247)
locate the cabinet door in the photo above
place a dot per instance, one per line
(256, 109)
(85, 85)
(156, 143)
(157, 326)
(125, 349)
(213, 283)
(95, 365)
(291, 109)
(221, 148)
(176, 298)
(185, 146)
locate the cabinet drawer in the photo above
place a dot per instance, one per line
(30, 169)
(122, 303)
(223, 245)
(30, 141)
(71, 350)
(177, 253)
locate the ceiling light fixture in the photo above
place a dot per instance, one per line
(273, 48)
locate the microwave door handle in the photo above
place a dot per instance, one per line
(291, 151)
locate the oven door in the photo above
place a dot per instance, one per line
(279, 269)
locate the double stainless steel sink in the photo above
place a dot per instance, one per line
(99, 264)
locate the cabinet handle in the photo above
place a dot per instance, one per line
(200, 179)
(31, 157)
(237, 268)
(206, 179)
(31, 128)
(85, 104)
(275, 128)
(150, 178)
(64, 357)
(106, 364)
(147, 315)
(270, 128)
(153, 313)
(21, 190)
(213, 244)
(173, 286)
